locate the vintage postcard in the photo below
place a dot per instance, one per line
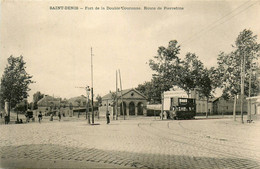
(129, 84)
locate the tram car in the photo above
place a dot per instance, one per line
(177, 105)
(182, 108)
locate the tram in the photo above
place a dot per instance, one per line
(178, 105)
(182, 108)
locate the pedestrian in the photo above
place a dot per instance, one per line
(107, 116)
(51, 119)
(27, 117)
(40, 116)
(161, 115)
(6, 119)
(59, 115)
(1, 114)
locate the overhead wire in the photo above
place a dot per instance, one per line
(214, 24)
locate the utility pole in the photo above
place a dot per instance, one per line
(92, 96)
(249, 93)
(116, 98)
(121, 94)
(243, 61)
(87, 105)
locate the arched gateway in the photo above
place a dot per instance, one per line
(134, 103)
(131, 108)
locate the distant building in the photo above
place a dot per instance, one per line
(78, 102)
(134, 103)
(202, 104)
(222, 106)
(49, 104)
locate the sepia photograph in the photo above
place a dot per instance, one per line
(130, 84)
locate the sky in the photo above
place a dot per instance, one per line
(56, 44)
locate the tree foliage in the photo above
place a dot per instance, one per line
(21, 107)
(152, 90)
(36, 97)
(15, 81)
(99, 100)
(229, 65)
(164, 64)
(191, 74)
(170, 71)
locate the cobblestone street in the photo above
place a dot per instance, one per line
(135, 143)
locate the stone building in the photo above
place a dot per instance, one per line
(134, 103)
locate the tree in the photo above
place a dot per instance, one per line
(15, 81)
(36, 97)
(207, 84)
(191, 73)
(99, 100)
(147, 89)
(21, 107)
(235, 67)
(166, 64)
(187, 74)
(152, 90)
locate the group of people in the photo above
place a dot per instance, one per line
(40, 116)
(51, 117)
(6, 118)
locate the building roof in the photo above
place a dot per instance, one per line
(124, 92)
(78, 101)
(46, 99)
(214, 99)
(73, 99)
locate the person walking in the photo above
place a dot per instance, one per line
(40, 116)
(51, 119)
(107, 116)
(6, 119)
(59, 115)
(27, 117)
